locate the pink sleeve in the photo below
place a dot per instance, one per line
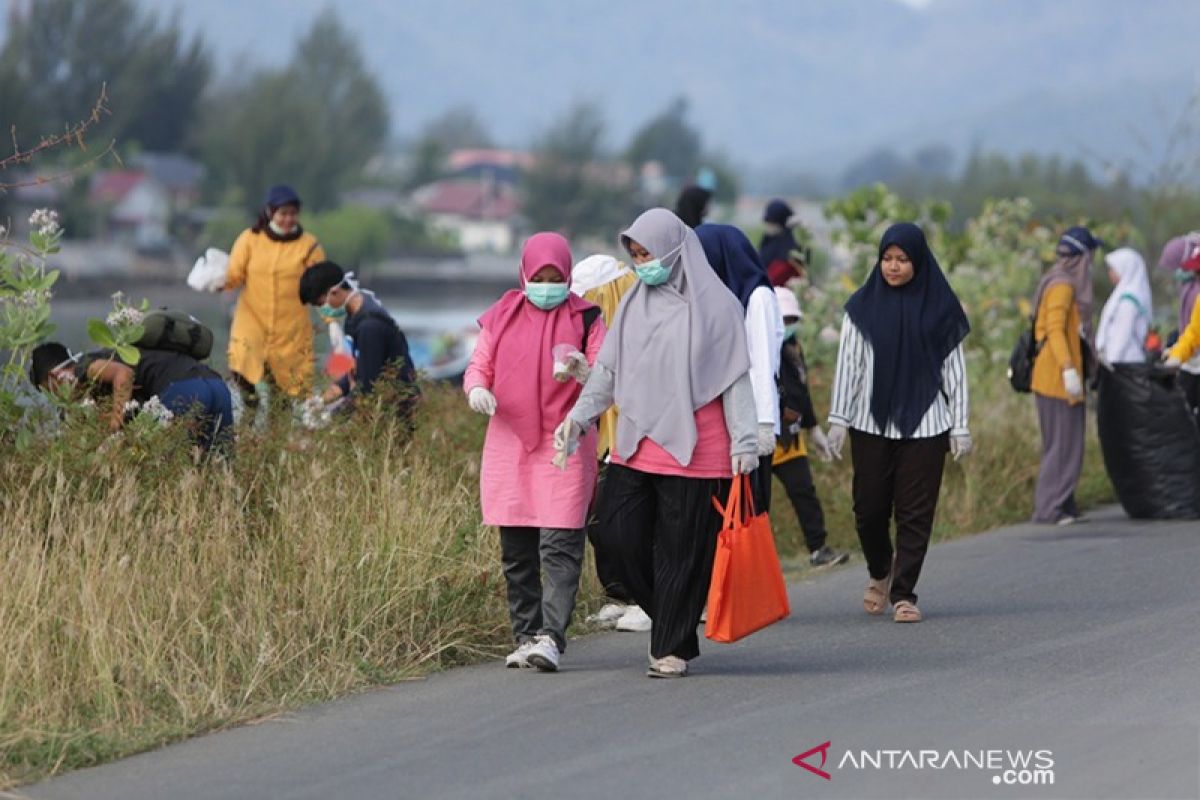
(480, 371)
(595, 339)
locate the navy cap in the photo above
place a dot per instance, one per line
(1077, 240)
(281, 195)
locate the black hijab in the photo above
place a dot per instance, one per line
(776, 246)
(691, 205)
(911, 328)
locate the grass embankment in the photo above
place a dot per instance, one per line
(145, 599)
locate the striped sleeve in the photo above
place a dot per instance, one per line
(847, 379)
(954, 383)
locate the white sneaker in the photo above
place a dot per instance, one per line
(517, 658)
(634, 620)
(608, 614)
(667, 667)
(543, 654)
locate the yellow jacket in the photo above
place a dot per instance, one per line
(1189, 339)
(271, 327)
(1057, 328)
(608, 297)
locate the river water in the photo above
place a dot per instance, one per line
(438, 324)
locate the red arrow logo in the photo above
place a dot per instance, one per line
(823, 749)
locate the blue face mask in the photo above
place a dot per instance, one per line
(653, 273)
(790, 329)
(1183, 275)
(547, 295)
(329, 312)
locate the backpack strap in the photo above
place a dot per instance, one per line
(589, 318)
(1141, 309)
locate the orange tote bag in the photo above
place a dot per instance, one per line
(747, 592)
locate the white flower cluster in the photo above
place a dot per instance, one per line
(155, 408)
(314, 414)
(45, 220)
(32, 298)
(125, 316)
(131, 406)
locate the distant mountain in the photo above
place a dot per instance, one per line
(810, 84)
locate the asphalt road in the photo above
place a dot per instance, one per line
(1082, 643)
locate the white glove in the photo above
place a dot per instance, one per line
(577, 367)
(482, 401)
(836, 440)
(1171, 362)
(744, 464)
(820, 443)
(566, 442)
(566, 436)
(766, 438)
(1072, 383)
(961, 446)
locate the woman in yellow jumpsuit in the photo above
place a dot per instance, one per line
(272, 333)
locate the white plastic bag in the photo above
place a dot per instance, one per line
(210, 271)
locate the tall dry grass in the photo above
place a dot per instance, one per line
(144, 598)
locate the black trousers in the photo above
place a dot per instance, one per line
(901, 479)
(760, 484)
(607, 570)
(662, 533)
(796, 477)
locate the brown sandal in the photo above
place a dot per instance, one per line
(875, 598)
(906, 611)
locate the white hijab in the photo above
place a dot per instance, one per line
(595, 271)
(1133, 286)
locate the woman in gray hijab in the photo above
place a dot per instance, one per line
(675, 362)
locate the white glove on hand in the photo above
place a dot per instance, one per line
(577, 367)
(820, 443)
(566, 442)
(566, 436)
(1170, 361)
(744, 464)
(961, 446)
(836, 440)
(1072, 383)
(766, 439)
(482, 401)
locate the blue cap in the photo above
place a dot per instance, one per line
(281, 195)
(1077, 241)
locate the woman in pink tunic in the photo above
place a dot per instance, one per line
(540, 509)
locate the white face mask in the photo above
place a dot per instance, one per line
(278, 231)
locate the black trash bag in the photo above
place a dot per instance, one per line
(1150, 442)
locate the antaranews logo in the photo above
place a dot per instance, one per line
(1008, 767)
(823, 749)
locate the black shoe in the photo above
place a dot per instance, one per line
(825, 557)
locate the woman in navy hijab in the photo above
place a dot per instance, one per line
(900, 393)
(736, 263)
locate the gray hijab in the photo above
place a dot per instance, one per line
(675, 347)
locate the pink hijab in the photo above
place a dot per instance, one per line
(528, 398)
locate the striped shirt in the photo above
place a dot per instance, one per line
(852, 382)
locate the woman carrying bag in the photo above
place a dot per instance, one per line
(1063, 323)
(677, 365)
(900, 394)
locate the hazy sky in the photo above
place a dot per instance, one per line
(805, 84)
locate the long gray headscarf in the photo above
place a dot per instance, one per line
(675, 347)
(1074, 269)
